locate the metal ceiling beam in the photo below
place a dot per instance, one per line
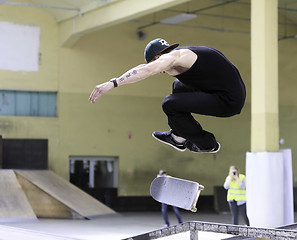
(195, 27)
(120, 11)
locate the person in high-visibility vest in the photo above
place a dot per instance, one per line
(235, 183)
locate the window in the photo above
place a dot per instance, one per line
(28, 103)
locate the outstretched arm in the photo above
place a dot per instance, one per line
(135, 74)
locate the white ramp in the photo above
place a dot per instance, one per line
(48, 193)
(14, 205)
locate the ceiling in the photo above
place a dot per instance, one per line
(224, 16)
(63, 9)
(207, 10)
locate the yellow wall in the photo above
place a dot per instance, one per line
(102, 129)
(46, 79)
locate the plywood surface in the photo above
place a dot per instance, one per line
(65, 192)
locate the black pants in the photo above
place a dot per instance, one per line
(234, 212)
(185, 100)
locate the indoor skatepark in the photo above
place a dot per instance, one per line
(75, 170)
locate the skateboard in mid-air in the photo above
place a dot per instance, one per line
(176, 192)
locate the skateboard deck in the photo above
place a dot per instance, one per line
(176, 192)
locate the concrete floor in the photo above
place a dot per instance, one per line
(116, 227)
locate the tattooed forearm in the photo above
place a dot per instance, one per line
(128, 75)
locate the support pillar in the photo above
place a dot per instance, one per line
(264, 47)
(265, 165)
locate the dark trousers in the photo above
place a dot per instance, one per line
(165, 213)
(234, 212)
(185, 100)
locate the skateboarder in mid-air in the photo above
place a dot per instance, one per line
(206, 83)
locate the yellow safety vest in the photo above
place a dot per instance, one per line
(235, 192)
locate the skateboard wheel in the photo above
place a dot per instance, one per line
(201, 187)
(193, 209)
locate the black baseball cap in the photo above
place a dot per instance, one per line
(155, 47)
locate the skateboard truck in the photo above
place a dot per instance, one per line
(193, 206)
